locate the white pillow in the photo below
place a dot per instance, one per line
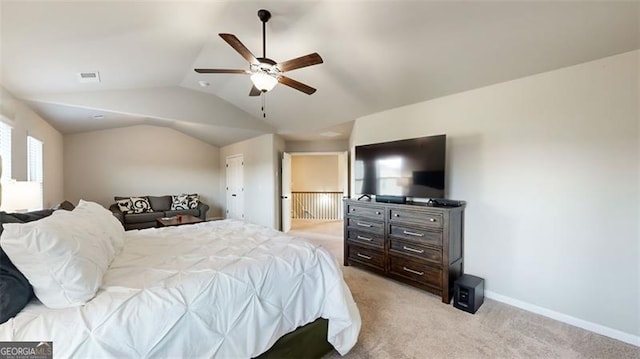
(64, 256)
(105, 224)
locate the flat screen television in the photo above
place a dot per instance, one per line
(407, 168)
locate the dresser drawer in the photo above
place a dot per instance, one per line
(368, 256)
(416, 250)
(367, 225)
(366, 238)
(424, 236)
(417, 271)
(376, 213)
(423, 218)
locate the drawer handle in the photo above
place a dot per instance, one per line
(353, 209)
(432, 219)
(363, 224)
(365, 238)
(396, 215)
(413, 249)
(378, 213)
(363, 256)
(413, 234)
(411, 270)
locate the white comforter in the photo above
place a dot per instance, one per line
(224, 289)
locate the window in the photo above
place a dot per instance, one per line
(5, 151)
(35, 163)
(34, 159)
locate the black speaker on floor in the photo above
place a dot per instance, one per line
(468, 293)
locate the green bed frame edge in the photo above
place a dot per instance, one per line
(308, 341)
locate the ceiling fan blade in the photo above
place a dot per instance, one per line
(254, 91)
(303, 61)
(221, 71)
(296, 85)
(239, 47)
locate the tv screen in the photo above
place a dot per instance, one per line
(412, 168)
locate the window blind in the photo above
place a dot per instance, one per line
(34, 159)
(35, 163)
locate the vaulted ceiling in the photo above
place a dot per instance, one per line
(377, 55)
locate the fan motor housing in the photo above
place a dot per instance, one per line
(264, 15)
(264, 60)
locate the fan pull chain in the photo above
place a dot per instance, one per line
(262, 98)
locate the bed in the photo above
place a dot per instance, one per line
(224, 289)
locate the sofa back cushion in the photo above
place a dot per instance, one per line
(160, 203)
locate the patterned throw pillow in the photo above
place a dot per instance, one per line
(180, 202)
(185, 201)
(134, 205)
(141, 205)
(125, 205)
(193, 200)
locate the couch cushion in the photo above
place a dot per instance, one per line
(142, 217)
(160, 203)
(193, 212)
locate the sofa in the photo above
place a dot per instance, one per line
(160, 206)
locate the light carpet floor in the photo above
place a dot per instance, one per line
(399, 321)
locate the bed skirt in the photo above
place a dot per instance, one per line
(308, 341)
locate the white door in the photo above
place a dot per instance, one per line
(286, 192)
(235, 187)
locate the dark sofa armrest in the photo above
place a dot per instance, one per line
(117, 213)
(203, 207)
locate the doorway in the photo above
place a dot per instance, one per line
(313, 187)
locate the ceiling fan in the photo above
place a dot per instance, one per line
(266, 73)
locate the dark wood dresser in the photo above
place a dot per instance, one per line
(414, 243)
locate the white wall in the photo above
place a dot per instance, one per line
(140, 160)
(315, 173)
(317, 146)
(549, 165)
(25, 123)
(261, 190)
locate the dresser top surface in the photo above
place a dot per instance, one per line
(409, 205)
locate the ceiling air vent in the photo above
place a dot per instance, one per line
(85, 77)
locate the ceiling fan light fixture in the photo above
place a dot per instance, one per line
(266, 73)
(263, 81)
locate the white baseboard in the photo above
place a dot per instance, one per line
(580, 323)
